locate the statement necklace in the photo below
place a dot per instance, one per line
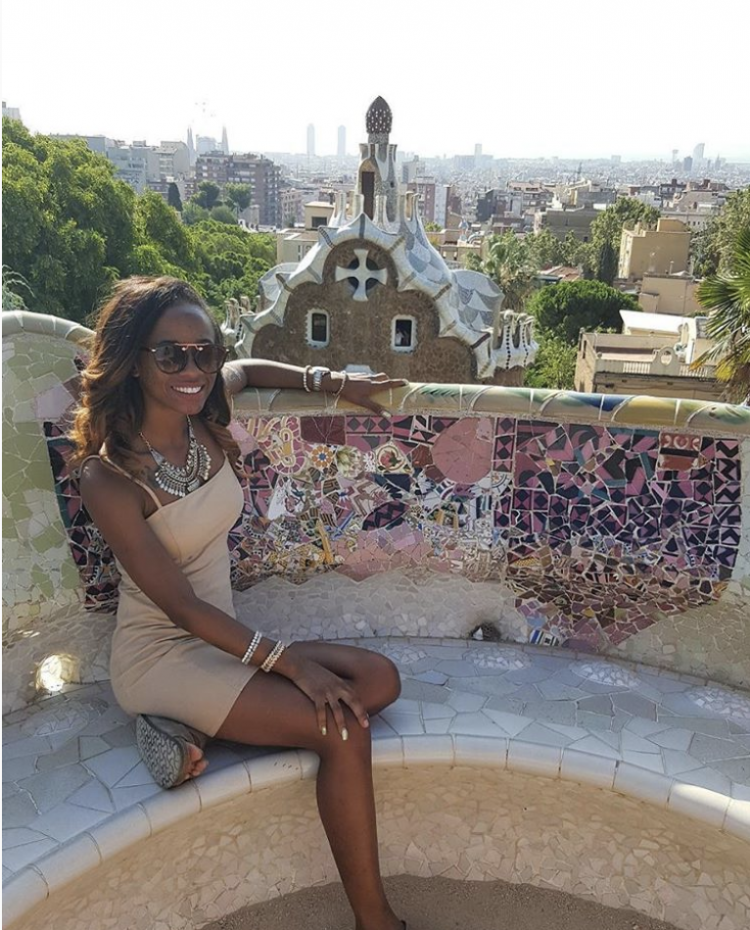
(181, 481)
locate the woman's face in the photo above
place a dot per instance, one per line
(185, 391)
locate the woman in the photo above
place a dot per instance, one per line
(159, 476)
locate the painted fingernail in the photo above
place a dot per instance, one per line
(344, 734)
(366, 722)
(324, 731)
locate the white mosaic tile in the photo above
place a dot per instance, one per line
(605, 673)
(729, 704)
(500, 659)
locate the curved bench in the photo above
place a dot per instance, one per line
(632, 761)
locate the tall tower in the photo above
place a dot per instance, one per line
(341, 149)
(311, 139)
(224, 140)
(377, 166)
(190, 146)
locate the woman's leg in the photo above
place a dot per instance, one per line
(271, 711)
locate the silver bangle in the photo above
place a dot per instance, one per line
(273, 656)
(255, 642)
(305, 376)
(317, 377)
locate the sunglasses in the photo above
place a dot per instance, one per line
(172, 357)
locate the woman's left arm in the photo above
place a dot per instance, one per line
(357, 388)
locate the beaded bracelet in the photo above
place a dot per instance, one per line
(344, 379)
(251, 648)
(273, 656)
(305, 377)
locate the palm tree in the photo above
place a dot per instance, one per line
(726, 296)
(512, 268)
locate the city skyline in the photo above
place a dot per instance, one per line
(540, 105)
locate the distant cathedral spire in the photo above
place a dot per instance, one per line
(190, 146)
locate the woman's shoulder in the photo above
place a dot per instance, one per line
(99, 476)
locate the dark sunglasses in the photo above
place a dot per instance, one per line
(172, 357)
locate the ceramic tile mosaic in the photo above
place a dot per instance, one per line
(70, 765)
(599, 531)
(599, 534)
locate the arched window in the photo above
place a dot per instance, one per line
(318, 329)
(404, 334)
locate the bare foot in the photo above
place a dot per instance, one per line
(198, 761)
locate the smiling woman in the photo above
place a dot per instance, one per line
(159, 476)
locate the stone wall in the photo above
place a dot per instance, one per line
(607, 524)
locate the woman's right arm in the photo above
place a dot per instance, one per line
(116, 507)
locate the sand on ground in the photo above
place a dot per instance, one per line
(442, 904)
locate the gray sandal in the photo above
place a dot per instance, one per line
(163, 745)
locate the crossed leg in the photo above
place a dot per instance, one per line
(271, 711)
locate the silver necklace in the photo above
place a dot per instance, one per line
(181, 481)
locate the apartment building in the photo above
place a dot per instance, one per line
(664, 250)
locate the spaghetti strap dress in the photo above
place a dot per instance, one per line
(156, 666)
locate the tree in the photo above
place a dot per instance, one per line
(713, 247)
(546, 249)
(229, 261)
(208, 195)
(513, 267)
(239, 196)
(431, 226)
(158, 226)
(173, 197)
(726, 296)
(192, 213)
(67, 222)
(222, 214)
(606, 233)
(554, 366)
(563, 310)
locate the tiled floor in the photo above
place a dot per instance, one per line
(70, 761)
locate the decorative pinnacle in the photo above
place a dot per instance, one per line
(379, 118)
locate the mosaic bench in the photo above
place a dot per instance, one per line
(580, 527)
(498, 761)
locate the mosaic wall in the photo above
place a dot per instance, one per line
(600, 521)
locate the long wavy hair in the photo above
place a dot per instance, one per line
(111, 404)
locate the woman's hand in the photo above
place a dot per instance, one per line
(323, 688)
(359, 389)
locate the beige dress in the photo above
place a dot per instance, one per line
(155, 665)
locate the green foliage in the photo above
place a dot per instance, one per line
(512, 266)
(713, 248)
(474, 262)
(208, 195)
(16, 290)
(726, 296)
(230, 260)
(158, 225)
(70, 229)
(562, 310)
(173, 197)
(430, 226)
(67, 223)
(546, 249)
(554, 366)
(606, 233)
(239, 196)
(222, 214)
(192, 213)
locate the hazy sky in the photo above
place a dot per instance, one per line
(581, 78)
